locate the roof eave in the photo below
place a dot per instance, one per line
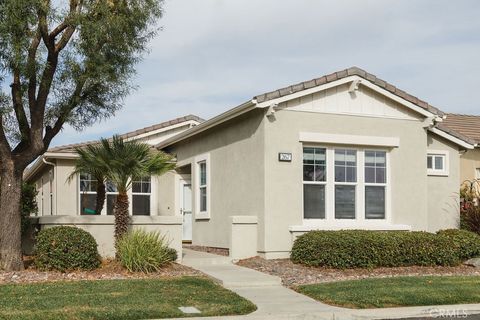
(221, 118)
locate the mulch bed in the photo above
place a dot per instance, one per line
(109, 270)
(293, 275)
(218, 251)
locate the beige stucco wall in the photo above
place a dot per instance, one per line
(469, 162)
(102, 229)
(237, 188)
(284, 202)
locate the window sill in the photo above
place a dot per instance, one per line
(341, 225)
(202, 216)
(437, 173)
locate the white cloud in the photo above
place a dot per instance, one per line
(215, 54)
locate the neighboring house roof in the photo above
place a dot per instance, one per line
(68, 151)
(270, 98)
(466, 125)
(132, 134)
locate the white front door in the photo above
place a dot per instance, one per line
(186, 209)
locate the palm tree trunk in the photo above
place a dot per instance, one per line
(100, 197)
(122, 217)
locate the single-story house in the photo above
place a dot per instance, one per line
(469, 126)
(343, 151)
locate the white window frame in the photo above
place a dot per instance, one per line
(80, 192)
(347, 184)
(446, 163)
(204, 158)
(129, 194)
(477, 173)
(330, 222)
(323, 183)
(149, 194)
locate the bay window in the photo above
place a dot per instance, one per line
(344, 184)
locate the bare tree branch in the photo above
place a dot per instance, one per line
(31, 67)
(18, 107)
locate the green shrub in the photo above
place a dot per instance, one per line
(368, 249)
(66, 248)
(467, 243)
(28, 205)
(144, 251)
(470, 217)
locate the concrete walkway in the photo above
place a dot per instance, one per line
(275, 301)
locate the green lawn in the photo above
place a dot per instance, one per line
(395, 292)
(118, 299)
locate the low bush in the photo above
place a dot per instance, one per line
(467, 243)
(66, 248)
(144, 251)
(470, 217)
(368, 249)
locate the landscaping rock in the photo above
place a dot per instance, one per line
(474, 262)
(295, 274)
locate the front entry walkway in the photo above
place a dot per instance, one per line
(275, 301)
(266, 291)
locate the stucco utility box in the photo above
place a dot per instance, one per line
(243, 237)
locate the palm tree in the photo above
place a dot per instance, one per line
(127, 160)
(90, 161)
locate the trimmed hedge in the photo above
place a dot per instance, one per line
(368, 249)
(467, 243)
(66, 248)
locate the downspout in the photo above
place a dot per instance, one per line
(52, 194)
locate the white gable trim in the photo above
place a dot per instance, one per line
(451, 138)
(349, 79)
(189, 123)
(316, 137)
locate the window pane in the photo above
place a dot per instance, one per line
(110, 187)
(345, 165)
(313, 201)
(320, 156)
(374, 202)
(380, 175)
(429, 162)
(136, 186)
(203, 173)
(439, 163)
(85, 185)
(308, 156)
(146, 187)
(344, 202)
(111, 198)
(351, 174)
(140, 205)
(370, 158)
(203, 199)
(320, 173)
(87, 204)
(340, 174)
(369, 175)
(308, 173)
(380, 159)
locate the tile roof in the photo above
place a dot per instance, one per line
(71, 147)
(466, 125)
(353, 71)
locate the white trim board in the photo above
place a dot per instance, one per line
(451, 138)
(346, 139)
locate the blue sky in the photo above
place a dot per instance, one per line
(212, 55)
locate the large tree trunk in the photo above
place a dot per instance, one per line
(122, 217)
(10, 225)
(100, 197)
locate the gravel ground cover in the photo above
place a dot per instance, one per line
(109, 270)
(293, 275)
